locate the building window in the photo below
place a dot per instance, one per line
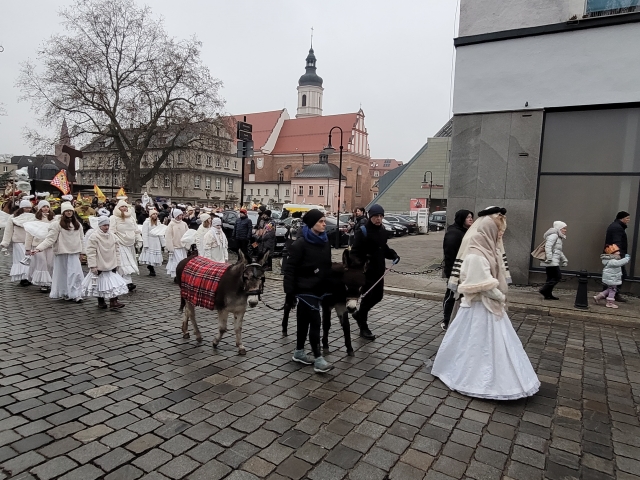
(359, 181)
(286, 192)
(226, 163)
(266, 191)
(218, 162)
(196, 182)
(167, 181)
(154, 182)
(252, 167)
(251, 191)
(258, 191)
(376, 173)
(5, 169)
(208, 160)
(180, 160)
(300, 190)
(218, 183)
(230, 183)
(321, 191)
(207, 183)
(280, 175)
(114, 180)
(275, 192)
(304, 100)
(311, 190)
(178, 180)
(235, 165)
(198, 159)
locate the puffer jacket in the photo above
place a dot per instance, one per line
(453, 239)
(308, 267)
(243, 229)
(612, 271)
(553, 249)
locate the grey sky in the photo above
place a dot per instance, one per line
(394, 58)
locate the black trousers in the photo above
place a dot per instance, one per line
(308, 322)
(369, 301)
(244, 246)
(447, 305)
(553, 277)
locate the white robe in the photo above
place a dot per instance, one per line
(216, 247)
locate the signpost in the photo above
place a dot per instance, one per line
(245, 149)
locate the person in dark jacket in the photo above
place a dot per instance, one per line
(370, 245)
(358, 219)
(617, 235)
(267, 238)
(242, 232)
(306, 275)
(450, 246)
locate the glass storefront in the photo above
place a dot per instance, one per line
(589, 171)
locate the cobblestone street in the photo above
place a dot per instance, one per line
(87, 394)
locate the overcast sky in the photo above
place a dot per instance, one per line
(393, 58)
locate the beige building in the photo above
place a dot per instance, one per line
(5, 163)
(426, 176)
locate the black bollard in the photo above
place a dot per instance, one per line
(582, 293)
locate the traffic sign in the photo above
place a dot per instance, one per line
(243, 135)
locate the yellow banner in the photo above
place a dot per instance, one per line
(101, 196)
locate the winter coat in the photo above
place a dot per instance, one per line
(373, 248)
(125, 229)
(64, 242)
(243, 229)
(453, 239)
(146, 229)
(215, 246)
(30, 240)
(14, 231)
(103, 252)
(173, 236)
(268, 237)
(612, 271)
(200, 233)
(617, 235)
(307, 268)
(553, 249)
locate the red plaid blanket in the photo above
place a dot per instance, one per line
(199, 281)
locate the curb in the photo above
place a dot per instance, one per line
(588, 315)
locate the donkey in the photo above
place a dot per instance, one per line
(346, 281)
(240, 285)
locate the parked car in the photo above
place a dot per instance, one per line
(438, 221)
(411, 224)
(229, 218)
(397, 229)
(333, 230)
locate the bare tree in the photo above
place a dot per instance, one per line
(116, 74)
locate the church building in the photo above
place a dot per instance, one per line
(286, 162)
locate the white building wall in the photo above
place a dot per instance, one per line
(487, 16)
(585, 67)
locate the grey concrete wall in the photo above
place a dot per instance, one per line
(494, 161)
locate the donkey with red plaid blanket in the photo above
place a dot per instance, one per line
(221, 287)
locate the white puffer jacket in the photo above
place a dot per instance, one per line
(553, 249)
(612, 271)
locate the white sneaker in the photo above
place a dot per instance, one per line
(301, 357)
(321, 365)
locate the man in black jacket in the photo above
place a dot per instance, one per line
(617, 235)
(370, 245)
(242, 232)
(450, 246)
(306, 276)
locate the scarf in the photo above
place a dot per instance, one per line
(503, 265)
(313, 238)
(484, 242)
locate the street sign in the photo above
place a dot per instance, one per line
(245, 149)
(243, 135)
(243, 127)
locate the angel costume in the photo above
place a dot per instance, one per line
(15, 235)
(41, 266)
(151, 244)
(125, 228)
(481, 355)
(215, 243)
(175, 230)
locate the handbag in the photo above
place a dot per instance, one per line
(540, 253)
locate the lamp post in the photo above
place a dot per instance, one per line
(424, 180)
(328, 150)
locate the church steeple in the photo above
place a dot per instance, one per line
(310, 89)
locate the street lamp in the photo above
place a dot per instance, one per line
(326, 151)
(424, 180)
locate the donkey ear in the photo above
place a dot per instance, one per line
(241, 258)
(264, 259)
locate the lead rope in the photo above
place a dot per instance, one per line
(387, 270)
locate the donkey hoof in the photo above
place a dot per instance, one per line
(185, 335)
(199, 339)
(242, 351)
(326, 350)
(284, 333)
(350, 353)
(215, 344)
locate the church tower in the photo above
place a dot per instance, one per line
(310, 90)
(62, 141)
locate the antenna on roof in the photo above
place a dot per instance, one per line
(311, 37)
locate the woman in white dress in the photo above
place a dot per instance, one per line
(41, 266)
(481, 355)
(15, 236)
(152, 245)
(204, 227)
(173, 236)
(124, 226)
(103, 260)
(66, 238)
(216, 247)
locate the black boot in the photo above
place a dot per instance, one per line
(364, 328)
(152, 271)
(25, 283)
(131, 287)
(101, 303)
(114, 304)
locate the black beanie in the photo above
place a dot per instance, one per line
(311, 217)
(622, 215)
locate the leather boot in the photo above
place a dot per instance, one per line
(364, 328)
(101, 303)
(113, 303)
(152, 270)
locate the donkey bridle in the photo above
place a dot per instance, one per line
(260, 290)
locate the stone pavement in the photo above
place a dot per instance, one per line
(86, 394)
